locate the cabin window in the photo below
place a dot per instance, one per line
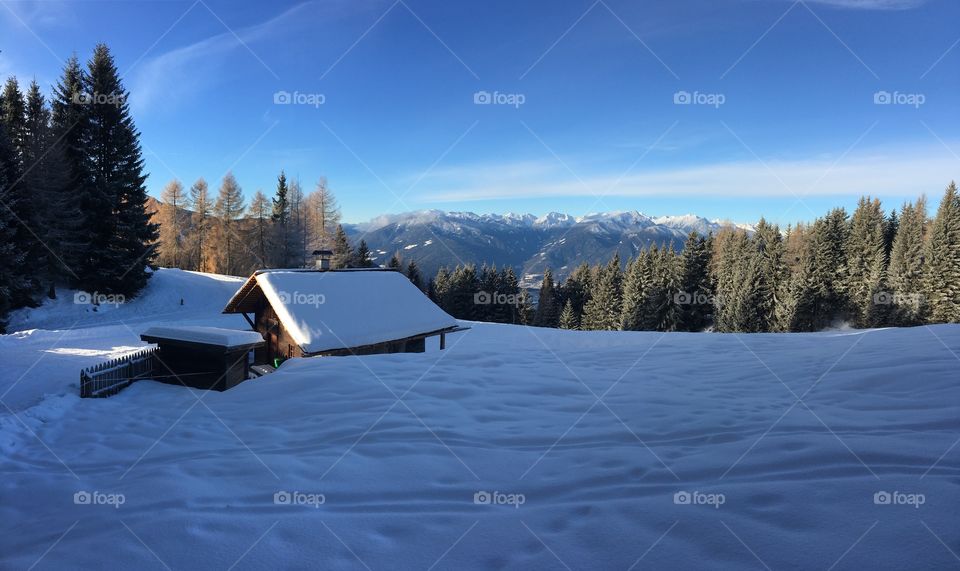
(289, 351)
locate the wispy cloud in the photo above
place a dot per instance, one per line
(879, 173)
(870, 4)
(185, 72)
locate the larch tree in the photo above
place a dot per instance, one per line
(325, 214)
(226, 245)
(171, 238)
(202, 208)
(261, 212)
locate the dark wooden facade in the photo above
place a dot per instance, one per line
(200, 365)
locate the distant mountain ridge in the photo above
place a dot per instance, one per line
(529, 243)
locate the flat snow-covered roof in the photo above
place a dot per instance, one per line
(228, 338)
(325, 311)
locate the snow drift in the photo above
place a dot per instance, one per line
(515, 448)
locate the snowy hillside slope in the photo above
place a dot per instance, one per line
(516, 448)
(49, 345)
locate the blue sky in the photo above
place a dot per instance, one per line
(728, 109)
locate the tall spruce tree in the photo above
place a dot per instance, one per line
(943, 260)
(282, 255)
(692, 310)
(46, 176)
(19, 197)
(12, 259)
(114, 204)
(634, 293)
(906, 273)
(362, 256)
(773, 273)
(867, 263)
(603, 311)
(547, 313)
(342, 253)
(568, 317)
(413, 274)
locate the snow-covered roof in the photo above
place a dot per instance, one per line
(228, 338)
(330, 310)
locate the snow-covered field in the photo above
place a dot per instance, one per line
(514, 448)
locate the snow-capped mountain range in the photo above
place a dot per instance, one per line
(529, 243)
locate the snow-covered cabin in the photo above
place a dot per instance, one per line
(303, 313)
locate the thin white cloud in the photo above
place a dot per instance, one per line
(888, 173)
(871, 4)
(186, 72)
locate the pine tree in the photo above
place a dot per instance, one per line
(508, 288)
(413, 274)
(546, 314)
(342, 253)
(122, 235)
(773, 273)
(362, 256)
(634, 293)
(70, 129)
(226, 242)
(942, 274)
(576, 289)
(692, 308)
(202, 213)
(262, 214)
(18, 197)
(906, 273)
(525, 309)
(58, 215)
(440, 292)
(603, 311)
(12, 259)
(738, 297)
(395, 263)
(866, 263)
(568, 318)
(281, 224)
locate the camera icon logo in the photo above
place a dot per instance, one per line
(482, 98)
(82, 298)
(482, 498)
(682, 98)
(282, 98)
(882, 98)
(82, 498)
(482, 298)
(682, 498)
(282, 498)
(882, 298)
(882, 498)
(682, 298)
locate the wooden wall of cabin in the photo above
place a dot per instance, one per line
(279, 341)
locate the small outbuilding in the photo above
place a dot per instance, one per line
(304, 313)
(202, 357)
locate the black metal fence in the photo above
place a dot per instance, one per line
(108, 379)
